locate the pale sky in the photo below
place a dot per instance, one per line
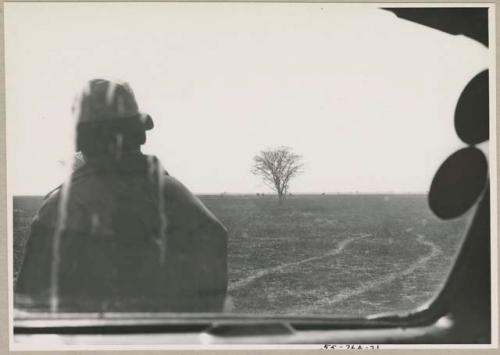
(366, 98)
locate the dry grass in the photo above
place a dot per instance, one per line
(346, 255)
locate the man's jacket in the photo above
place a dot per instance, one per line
(123, 235)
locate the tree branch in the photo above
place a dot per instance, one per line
(277, 167)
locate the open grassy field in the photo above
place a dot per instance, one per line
(346, 255)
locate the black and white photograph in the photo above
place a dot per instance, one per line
(187, 175)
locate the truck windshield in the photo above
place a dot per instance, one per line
(286, 173)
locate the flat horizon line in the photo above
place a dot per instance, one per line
(274, 194)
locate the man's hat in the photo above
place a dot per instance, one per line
(109, 101)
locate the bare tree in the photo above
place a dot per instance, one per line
(277, 167)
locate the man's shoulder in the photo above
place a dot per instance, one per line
(175, 190)
(52, 197)
(172, 184)
(70, 194)
(186, 204)
(47, 213)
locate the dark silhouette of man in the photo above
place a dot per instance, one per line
(121, 234)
